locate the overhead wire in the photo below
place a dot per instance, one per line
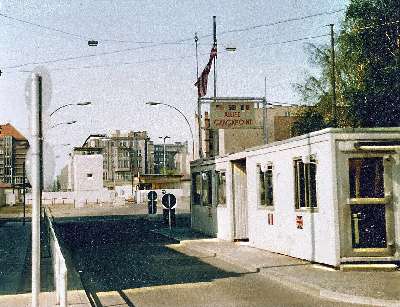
(79, 36)
(148, 46)
(180, 57)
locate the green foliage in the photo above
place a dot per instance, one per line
(367, 71)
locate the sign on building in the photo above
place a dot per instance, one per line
(233, 115)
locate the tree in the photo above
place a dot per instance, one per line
(370, 39)
(367, 71)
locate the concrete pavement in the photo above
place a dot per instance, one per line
(371, 288)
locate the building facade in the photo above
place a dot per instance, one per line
(279, 120)
(176, 158)
(13, 149)
(125, 155)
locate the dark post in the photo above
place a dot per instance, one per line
(215, 131)
(145, 155)
(41, 142)
(131, 168)
(23, 190)
(334, 115)
(196, 39)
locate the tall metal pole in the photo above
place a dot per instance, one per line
(23, 189)
(165, 167)
(333, 78)
(36, 188)
(265, 116)
(196, 39)
(215, 132)
(131, 168)
(41, 143)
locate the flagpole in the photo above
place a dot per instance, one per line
(215, 132)
(196, 39)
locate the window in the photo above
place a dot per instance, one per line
(89, 175)
(206, 186)
(366, 178)
(266, 191)
(305, 184)
(221, 188)
(196, 188)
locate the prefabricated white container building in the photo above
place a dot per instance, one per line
(332, 196)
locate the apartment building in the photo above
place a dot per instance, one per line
(176, 158)
(13, 149)
(125, 155)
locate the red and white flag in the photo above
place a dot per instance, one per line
(203, 79)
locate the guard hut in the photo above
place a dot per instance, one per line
(332, 196)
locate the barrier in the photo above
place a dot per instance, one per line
(58, 260)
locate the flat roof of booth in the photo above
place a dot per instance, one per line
(360, 132)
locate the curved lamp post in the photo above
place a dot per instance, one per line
(64, 123)
(86, 103)
(154, 103)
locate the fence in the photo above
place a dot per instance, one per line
(59, 267)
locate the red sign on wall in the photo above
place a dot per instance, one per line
(299, 222)
(270, 219)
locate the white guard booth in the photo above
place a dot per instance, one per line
(331, 196)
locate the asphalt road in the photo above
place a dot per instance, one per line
(124, 263)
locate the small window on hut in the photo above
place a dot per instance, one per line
(305, 185)
(366, 178)
(266, 190)
(196, 188)
(206, 188)
(221, 188)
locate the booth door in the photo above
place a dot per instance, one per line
(239, 189)
(369, 206)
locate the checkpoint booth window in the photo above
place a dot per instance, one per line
(202, 188)
(221, 188)
(196, 188)
(206, 188)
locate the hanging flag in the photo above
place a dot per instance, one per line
(203, 79)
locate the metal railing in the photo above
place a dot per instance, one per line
(59, 267)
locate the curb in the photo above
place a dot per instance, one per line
(317, 291)
(305, 287)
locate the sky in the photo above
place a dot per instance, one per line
(146, 52)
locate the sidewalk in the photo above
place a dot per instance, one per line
(15, 270)
(373, 288)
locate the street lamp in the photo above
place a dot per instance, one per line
(164, 138)
(63, 123)
(154, 103)
(85, 103)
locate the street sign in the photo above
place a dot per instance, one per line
(152, 203)
(152, 195)
(233, 115)
(169, 201)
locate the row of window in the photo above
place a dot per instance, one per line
(305, 189)
(366, 180)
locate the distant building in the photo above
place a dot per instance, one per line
(125, 155)
(176, 156)
(13, 149)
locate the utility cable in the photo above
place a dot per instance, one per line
(157, 44)
(179, 57)
(79, 36)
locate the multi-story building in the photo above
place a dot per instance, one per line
(13, 149)
(176, 158)
(125, 155)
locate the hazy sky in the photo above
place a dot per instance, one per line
(119, 84)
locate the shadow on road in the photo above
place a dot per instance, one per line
(113, 255)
